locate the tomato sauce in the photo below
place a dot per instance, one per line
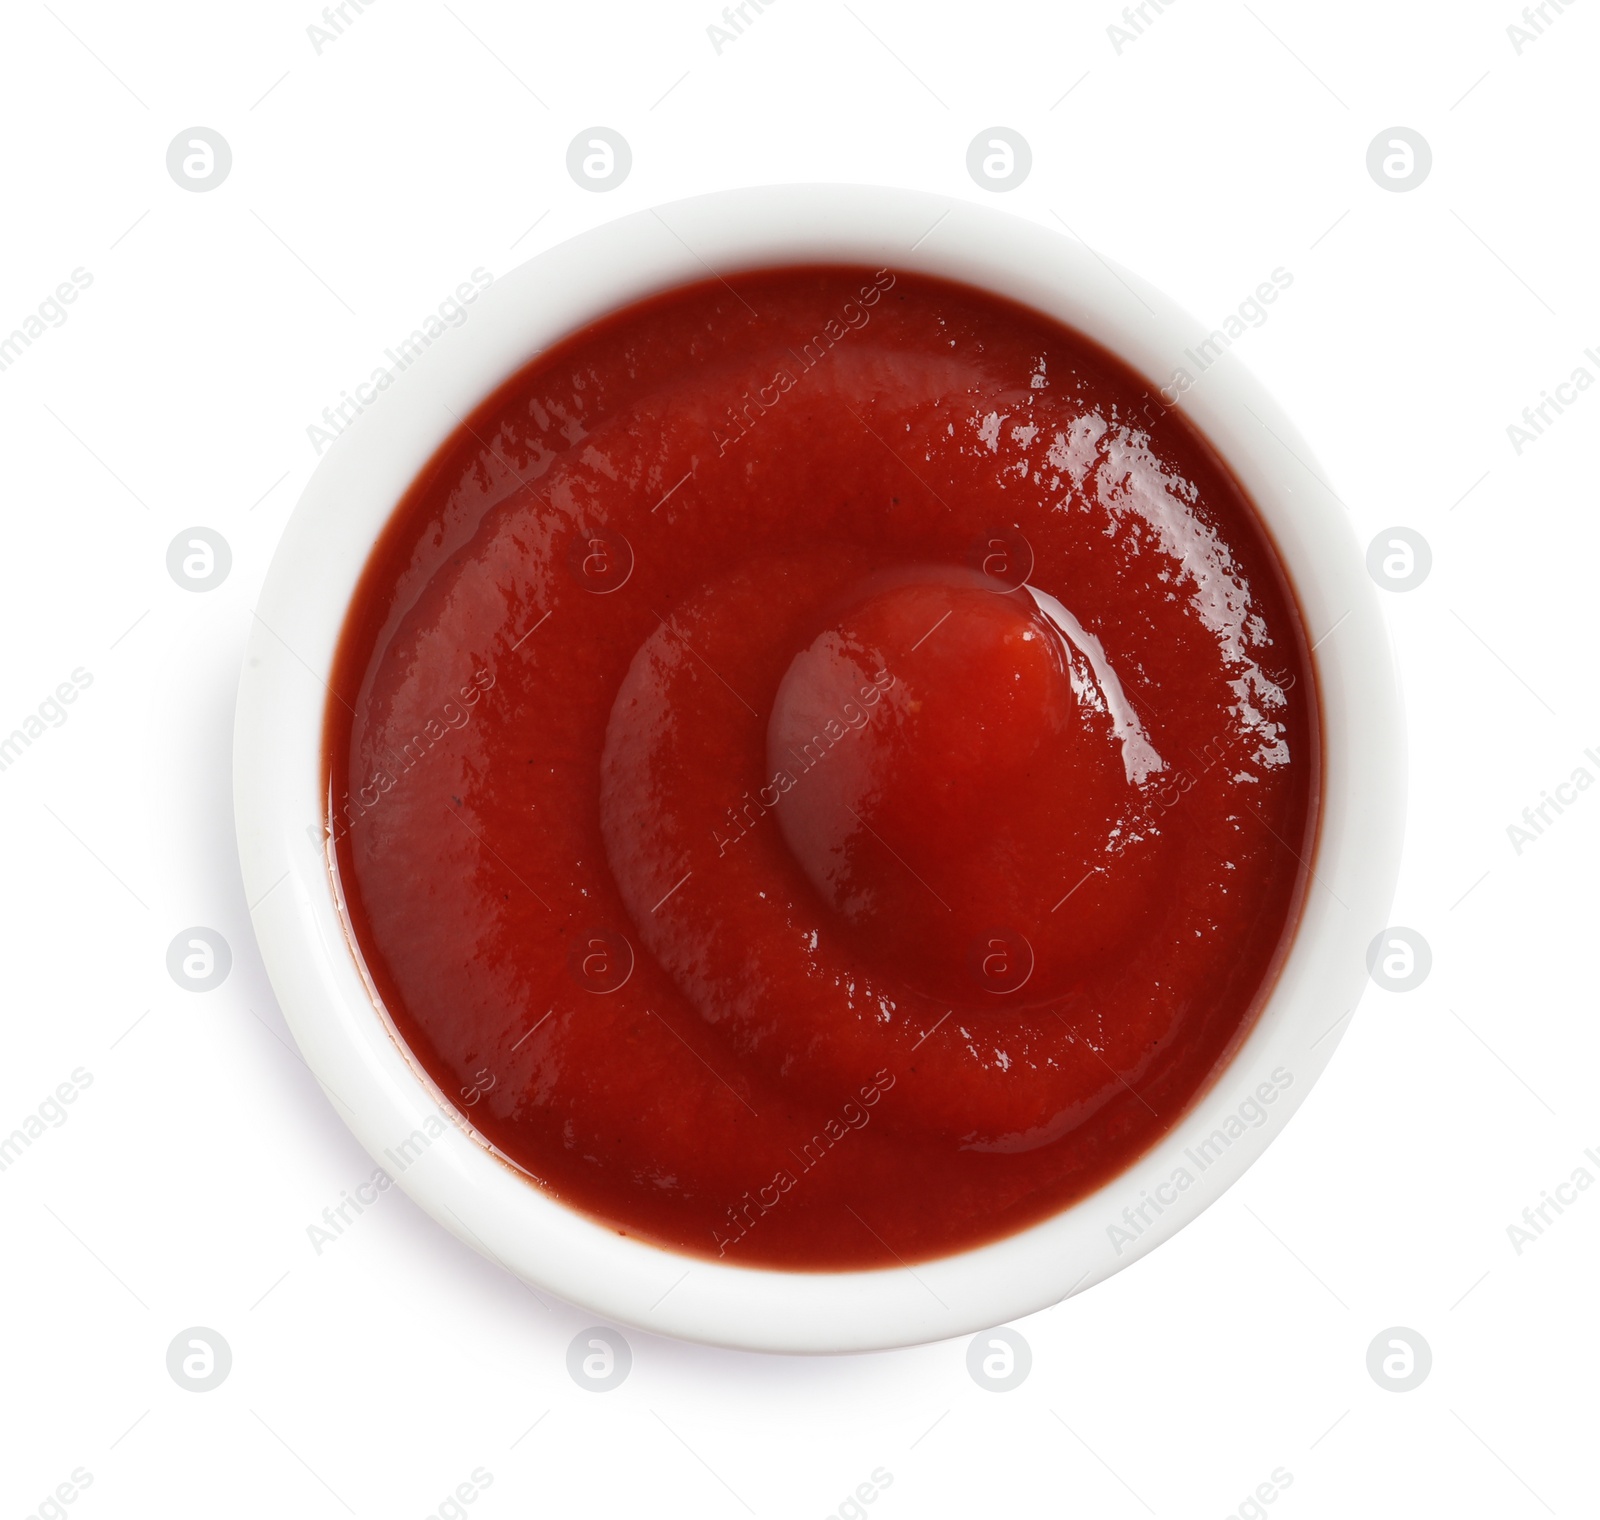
(822, 768)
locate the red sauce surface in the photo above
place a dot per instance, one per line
(822, 767)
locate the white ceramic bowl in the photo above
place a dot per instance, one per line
(345, 1034)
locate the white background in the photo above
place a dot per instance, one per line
(367, 182)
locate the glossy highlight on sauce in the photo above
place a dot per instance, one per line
(821, 768)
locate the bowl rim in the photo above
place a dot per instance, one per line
(407, 1124)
